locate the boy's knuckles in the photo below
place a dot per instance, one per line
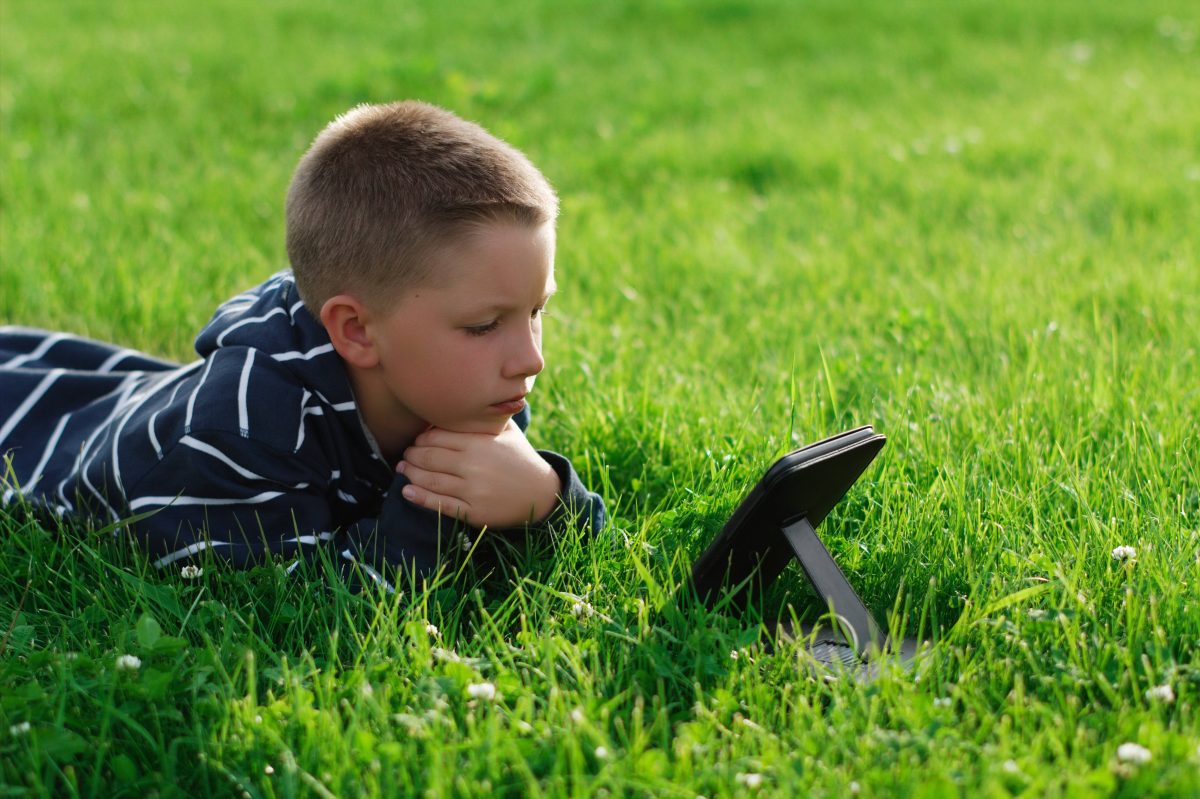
(434, 438)
(416, 456)
(438, 460)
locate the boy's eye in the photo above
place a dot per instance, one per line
(480, 330)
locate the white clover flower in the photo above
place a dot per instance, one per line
(854, 788)
(1163, 693)
(268, 769)
(191, 572)
(481, 690)
(601, 752)
(1011, 767)
(1133, 753)
(129, 663)
(942, 701)
(582, 610)
(750, 780)
(413, 724)
(1036, 613)
(578, 716)
(1124, 553)
(1080, 51)
(432, 629)
(733, 654)
(19, 729)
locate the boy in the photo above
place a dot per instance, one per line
(349, 400)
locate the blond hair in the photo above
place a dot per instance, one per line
(383, 184)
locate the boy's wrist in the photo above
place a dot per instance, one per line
(550, 489)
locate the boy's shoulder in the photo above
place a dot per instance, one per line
(242, 390)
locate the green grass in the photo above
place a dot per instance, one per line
(974, 225)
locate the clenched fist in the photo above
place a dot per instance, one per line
(485, 479)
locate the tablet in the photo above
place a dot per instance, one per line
(776, 523)
(752, 548)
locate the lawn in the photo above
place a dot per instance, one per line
(974, 225)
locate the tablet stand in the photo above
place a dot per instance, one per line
(832, 586)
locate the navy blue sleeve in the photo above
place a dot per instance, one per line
(577, 505)
(266, 502)
(245, 501)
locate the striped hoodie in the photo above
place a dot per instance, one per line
(257, 447)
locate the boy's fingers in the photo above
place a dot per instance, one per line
(447, 506)
(433, 482)
(434, 459)
(437, 437)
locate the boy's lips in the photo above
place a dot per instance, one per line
(512, 405)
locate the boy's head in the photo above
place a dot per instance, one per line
(383, 186)
(425, 246)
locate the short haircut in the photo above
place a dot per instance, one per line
(382, 185)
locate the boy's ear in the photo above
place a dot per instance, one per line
(346, 321)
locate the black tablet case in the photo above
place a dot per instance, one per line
(776, 524)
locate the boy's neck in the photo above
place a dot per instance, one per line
(393, 429)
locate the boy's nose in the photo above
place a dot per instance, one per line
(527, 360)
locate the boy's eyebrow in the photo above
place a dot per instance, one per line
(497, 307)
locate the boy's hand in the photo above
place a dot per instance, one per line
(486, 480)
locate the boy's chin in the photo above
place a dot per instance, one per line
(490, 426)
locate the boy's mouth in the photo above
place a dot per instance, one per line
(510, 406)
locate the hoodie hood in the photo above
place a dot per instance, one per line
(272, 319)
(268, 316)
